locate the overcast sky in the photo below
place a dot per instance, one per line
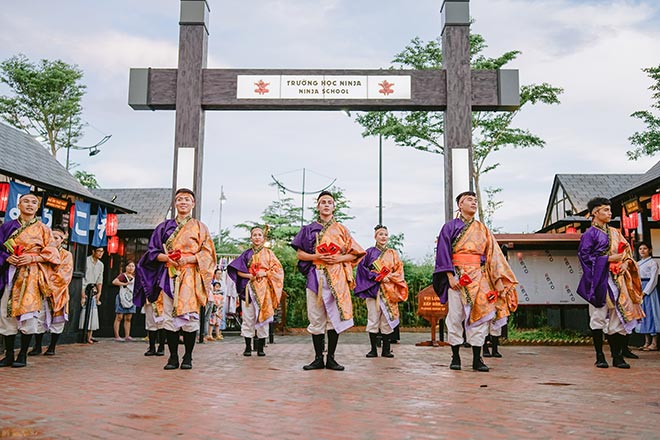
(593, 49)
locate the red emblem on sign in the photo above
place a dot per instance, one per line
(262, 87)
(386, 88)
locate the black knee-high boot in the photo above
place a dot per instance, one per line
(625, 349)
(486, 349)
(248, 347)
(387, 350)
(160, 351)
(597, 336)
(616, 345)
(173, 345)
(38, 338)
(50, 351)
(317, 363)
(261, 343)
(21, 359)
(189, 343)
(8, 360)
(477, 362)
(495, 343)
(152, 343)
(374, 345)
(455, 357)
(330, 362)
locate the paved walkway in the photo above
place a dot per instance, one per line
(111, 391)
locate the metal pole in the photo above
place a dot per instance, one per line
(302, 209)
(380, 179)
(222, 194)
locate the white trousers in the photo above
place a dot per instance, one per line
(376, 320)
(174, 323)
(248, 328)
(8, 325)
(150, 323)
(456, 316)
(317, 315)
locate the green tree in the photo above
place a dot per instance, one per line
(225, 244)
(492, 131)
(648, 142)
(342, 205)
(46, 99)
(86, 179)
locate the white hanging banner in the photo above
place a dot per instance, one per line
(323, 87)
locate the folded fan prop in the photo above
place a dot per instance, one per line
(328, 249)
(381, 270)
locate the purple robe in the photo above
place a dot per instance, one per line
(6, 229)
(443, 257)
(305, 240)
(593, 256)
(366, 285)
(240, 264)
(150, 274)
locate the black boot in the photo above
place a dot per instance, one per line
(37, 345)
(616, 343)
(625, 350)
(50, 351)
(330, 362)
(8, 360)
(486, 351)
(477, 362)
(374, 350)
(261, 342)
(21, 359)
(248, 347)
(455, 358)
(173, 345)
(152, 343)
(160, 351)
(387, 352)
(597, 336)
(189, 343)
(317, 363)
(495, 342)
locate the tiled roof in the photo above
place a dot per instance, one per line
(151, 205)
(24, 158)
(652, 174)
(580, 188)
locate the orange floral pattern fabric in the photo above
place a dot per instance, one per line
(193, 282)
(493, 277)
(340, 276)
(268, 289)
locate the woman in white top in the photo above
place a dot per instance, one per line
(648, 272)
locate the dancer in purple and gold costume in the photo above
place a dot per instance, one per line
(179, 262)
(610, 283)
(473, 275)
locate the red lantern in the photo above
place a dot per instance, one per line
(655, 207)
(113, 245)
(121, 248)
(111, 225)
(629, 221)
(72, 215)
(4, 195)
(571, 230)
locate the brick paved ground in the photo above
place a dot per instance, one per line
(111, 391)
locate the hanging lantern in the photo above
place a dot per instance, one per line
(571, 230)
(72, 215)
(113, 245)
(655, 207)
(111, 225)
(4, 195)
(629, 221)
(120, 251)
